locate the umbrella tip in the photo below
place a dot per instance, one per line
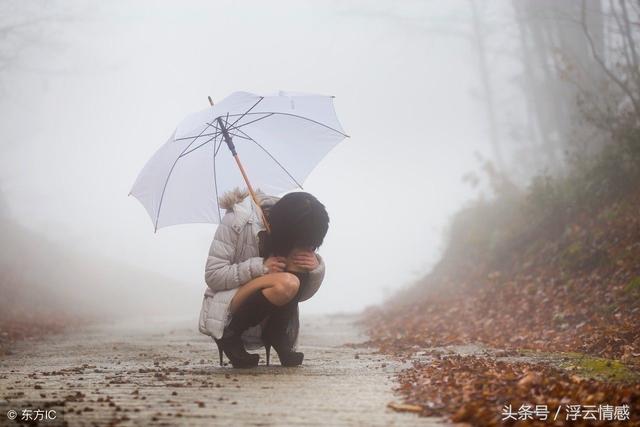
(210, 100)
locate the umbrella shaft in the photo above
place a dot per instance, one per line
(253, 193)
(227, 137)
(232, 148)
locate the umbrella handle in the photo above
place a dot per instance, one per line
(232, 148)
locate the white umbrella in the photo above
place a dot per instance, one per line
(281, 138)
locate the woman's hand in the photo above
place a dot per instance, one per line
(305, 259)
(275, 264)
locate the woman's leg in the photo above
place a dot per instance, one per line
(253, 303)
(278, 288)
(281, 328)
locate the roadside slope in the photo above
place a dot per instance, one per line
(45, 287)
(562, 300)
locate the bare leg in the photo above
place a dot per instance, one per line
(278, 288)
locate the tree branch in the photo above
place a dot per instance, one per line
(629, 35)
(625, 88)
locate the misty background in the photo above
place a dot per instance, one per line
(430, 92)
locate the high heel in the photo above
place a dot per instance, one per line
(287, 356)
(267, 349)
(219, 351)
(251, 312)
(275, 335)
(234, 349)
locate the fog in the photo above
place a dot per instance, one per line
(91, 89)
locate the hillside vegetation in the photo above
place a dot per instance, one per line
(553, 270)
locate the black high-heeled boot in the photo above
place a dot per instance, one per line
(235, 351)
(275, 335)
(252, 311)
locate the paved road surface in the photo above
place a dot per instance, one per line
(163, 372)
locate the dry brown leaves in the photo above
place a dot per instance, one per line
(475, 390)
(28, 325)
(568, 293)
(545, 300)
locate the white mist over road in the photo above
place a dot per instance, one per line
(97, 88)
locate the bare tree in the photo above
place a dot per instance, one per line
(479, 39)
(624, 83)
(553, 48)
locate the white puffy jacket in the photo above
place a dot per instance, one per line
(233, 261)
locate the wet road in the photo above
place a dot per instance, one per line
(163, 372)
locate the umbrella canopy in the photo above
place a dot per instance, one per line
(280, 139)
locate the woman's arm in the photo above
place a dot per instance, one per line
(315, 280)
(220, 274)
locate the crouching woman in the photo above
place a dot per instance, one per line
(256, 279)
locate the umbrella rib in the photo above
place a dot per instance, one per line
(252, 121)
(169, 176)
(215, 135)
(238, 136)
(230, 127)
(228, 131)
(225, 121)
(219, 145)
(245, 113)
(215, 177)
(292, 115)
(268, 114)
(199, 136)
(272, 158)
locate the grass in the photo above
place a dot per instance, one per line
(598, 368)
(633, 287)
(586, 366)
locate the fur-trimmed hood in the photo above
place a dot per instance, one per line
(231, 198)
